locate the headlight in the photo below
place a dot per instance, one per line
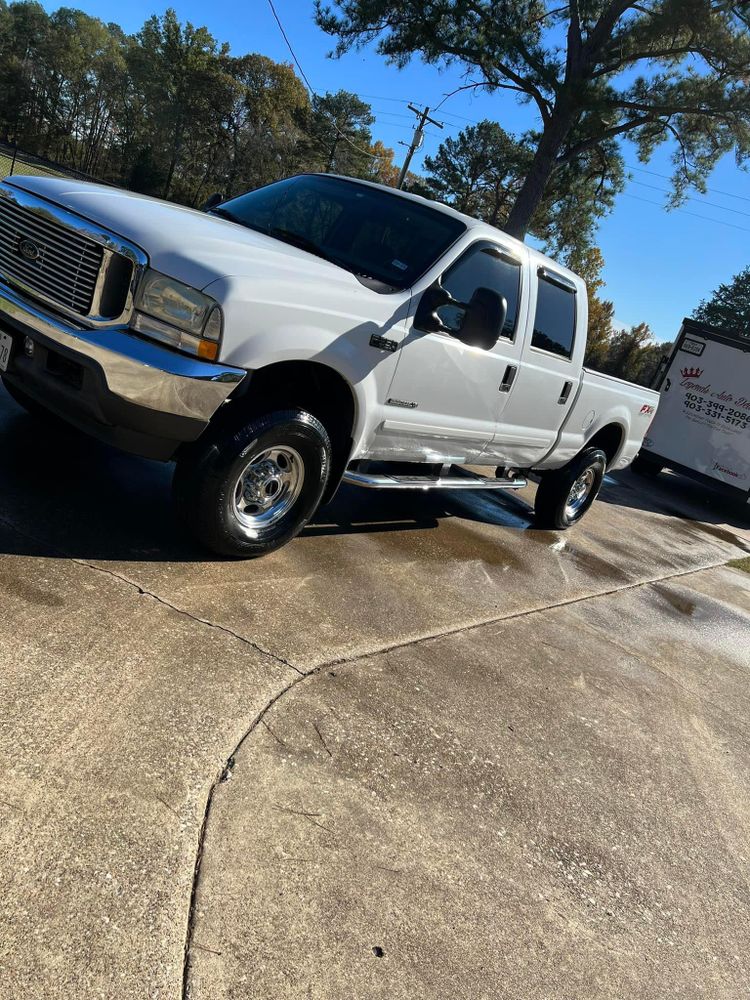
(178, 315)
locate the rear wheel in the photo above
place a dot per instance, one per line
(564, 495)
(249, 490)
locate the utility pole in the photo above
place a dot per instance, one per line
(416, 141)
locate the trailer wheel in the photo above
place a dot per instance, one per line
(642, 465)
(564, 495)
(248, 490)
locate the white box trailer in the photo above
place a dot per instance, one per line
(702, 425)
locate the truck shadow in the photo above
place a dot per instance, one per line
(675, 496)
(65, 495)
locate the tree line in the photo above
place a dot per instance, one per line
(170, 111)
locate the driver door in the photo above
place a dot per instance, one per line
(446, 396)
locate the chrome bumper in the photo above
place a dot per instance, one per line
(140, 373)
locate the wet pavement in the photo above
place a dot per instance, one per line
(464, 711)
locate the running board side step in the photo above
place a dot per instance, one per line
(468, 481)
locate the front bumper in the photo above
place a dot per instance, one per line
(139, 396)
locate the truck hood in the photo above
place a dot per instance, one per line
(182, 242)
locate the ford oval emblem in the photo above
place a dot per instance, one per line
(29, 250)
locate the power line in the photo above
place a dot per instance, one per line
(359, 149)
(376, 97)
(696, 215)
(665, 177)
(701, 201)
(291, 50)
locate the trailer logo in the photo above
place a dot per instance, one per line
(691, 372)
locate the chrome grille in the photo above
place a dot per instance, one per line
(43, 256)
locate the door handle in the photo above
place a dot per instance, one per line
(508, 378)
(565, 393)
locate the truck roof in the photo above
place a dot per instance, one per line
(476, 225)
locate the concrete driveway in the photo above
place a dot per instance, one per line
(424, 751)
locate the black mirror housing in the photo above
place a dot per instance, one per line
(484, 319)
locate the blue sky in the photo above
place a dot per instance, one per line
(658, 264)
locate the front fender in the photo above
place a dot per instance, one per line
(332, 327)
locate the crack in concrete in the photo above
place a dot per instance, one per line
(190, 945)
(61, 553)
(188, 614)
(260, 720)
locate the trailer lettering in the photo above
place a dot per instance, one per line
(687, 384)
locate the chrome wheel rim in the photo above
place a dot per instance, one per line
(268, 487)
(579, 493)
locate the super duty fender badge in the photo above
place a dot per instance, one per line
(401, 402)
(383, 344)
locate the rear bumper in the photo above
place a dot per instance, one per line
(138, 396)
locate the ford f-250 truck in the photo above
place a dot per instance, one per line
(317, 330)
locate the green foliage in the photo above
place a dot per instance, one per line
(630, 354)
(595, 70)
(169, 111)
(729, 306)
(478, 171)
(483, 168)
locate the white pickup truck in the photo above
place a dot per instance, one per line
(318, 330)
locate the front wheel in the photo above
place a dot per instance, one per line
(564, 495)
(248, 491)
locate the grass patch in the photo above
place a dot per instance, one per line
(24, 168)
(743, 564)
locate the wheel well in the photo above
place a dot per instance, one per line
(316, 388)
(609, 439)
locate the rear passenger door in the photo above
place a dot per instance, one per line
(550, 370)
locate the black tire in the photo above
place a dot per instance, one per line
(554, 506)
(209, 495)
(26, 402)
(644, 466)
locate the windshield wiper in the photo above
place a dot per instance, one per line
(289, 236)
(223, 214)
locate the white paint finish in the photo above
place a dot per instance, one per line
(281, 303)
(703, 421)
(615, 402)
(457, 386)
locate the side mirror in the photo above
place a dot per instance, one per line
(484, 319)
(212, 202)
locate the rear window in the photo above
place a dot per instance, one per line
(555, 320)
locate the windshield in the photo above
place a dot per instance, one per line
(373, 233)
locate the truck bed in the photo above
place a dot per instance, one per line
(602, 400)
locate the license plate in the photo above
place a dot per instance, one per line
(6, 346)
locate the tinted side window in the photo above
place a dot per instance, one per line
(555, 320)
(480, 267)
